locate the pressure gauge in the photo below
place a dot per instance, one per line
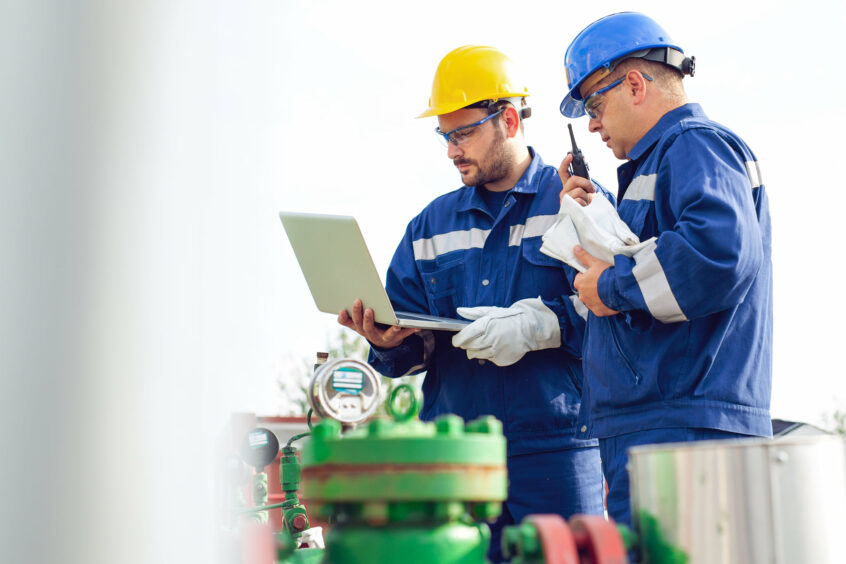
(346, 390)
(259, 448)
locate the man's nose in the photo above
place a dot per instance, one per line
(594, 124)
(454, 150)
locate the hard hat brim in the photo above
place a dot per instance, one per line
(571, 107)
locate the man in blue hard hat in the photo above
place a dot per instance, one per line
(678, 345)
(475, 252)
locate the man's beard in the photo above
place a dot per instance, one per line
(497, 164)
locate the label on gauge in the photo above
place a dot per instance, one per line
(257, 439)
(348, 380)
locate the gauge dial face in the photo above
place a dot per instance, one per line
(346, 390)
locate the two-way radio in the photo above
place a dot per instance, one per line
(578, 167)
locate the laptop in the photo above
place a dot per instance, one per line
(338, 269)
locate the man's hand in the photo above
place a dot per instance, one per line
(504, 335)
(586, 282)
(578, 188)
(361, 321)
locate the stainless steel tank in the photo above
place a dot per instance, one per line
(741, 501)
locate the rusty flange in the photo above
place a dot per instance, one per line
(598, 540)
(557, 542)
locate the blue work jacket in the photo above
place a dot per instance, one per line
(692, 346)
(455, 253)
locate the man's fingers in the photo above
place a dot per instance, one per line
(473, 313)
(344, 318)
(584, 257)
(388, 337)
(466, 336)
(577, 188)
(403, 333)
(483, 353)
(392, 336)
(580, 196)
(368, 323)
(564, 169)
(357, 312)
(363, 322)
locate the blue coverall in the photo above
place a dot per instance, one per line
(690, 355)
(456, 253)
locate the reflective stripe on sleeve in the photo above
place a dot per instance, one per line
(754, 172)
(580, 308)
(428, 345)
(654, 286)
(430, 249)
(642, 188)
(428, 350)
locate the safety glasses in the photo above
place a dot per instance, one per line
(460, 135)
(592, 101)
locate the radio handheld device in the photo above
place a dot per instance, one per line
(578, 167)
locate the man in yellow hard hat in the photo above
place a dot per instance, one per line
(475, 252)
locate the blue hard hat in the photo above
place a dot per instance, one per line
(611, 39)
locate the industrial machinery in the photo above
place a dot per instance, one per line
(736, 502)
(259, 449)
(724, 502)
(395, 489)
(387, 484)
(401, 488)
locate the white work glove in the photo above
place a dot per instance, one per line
(504, 334)
(597, 228)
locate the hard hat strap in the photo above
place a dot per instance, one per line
(671, 57)
(491, 105)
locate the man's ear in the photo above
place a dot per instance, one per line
(635, 84)
(511, 118)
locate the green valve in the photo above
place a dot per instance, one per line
(406, 461)
(399, 489)
(424, 543)
(521, 545)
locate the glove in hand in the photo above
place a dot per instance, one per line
(504, 335)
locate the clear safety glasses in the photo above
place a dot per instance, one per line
(460, 135)
(592, 101)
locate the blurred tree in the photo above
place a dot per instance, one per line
(294, 380)
(836, 421)
(349, 344)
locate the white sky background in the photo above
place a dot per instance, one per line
(319, 100)
(149, 290)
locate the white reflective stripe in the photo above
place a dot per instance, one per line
(580, 308)
(534, 227)
(428, 349)
(430, 249)
(754, 172)
(642, 188)
(414, 369)
(654, 286)
(428, 345)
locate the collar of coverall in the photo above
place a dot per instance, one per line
(471, 200)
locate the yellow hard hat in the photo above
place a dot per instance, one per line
(471, 74)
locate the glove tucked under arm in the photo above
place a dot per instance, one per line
(504, 334)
